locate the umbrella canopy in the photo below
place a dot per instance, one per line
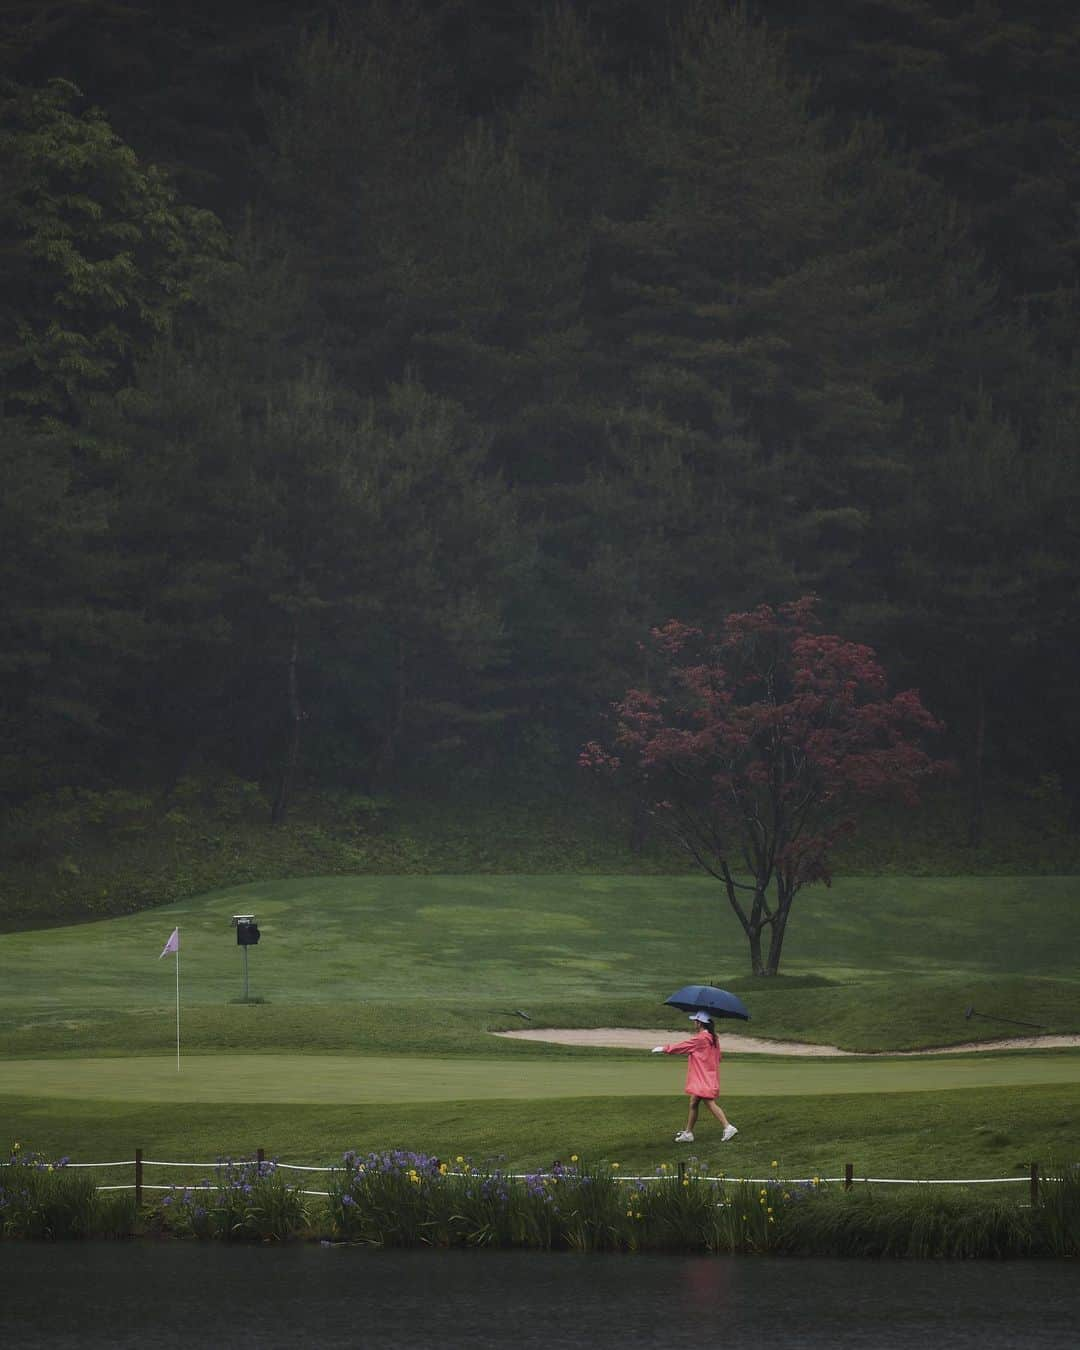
(705, 998)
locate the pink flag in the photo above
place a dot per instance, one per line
(173, 944)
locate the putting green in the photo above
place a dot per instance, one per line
(343, 1079)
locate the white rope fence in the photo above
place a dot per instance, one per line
(676, 1175)
(129, 1162)
(915, 1181)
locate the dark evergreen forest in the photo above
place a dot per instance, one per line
(376, 373)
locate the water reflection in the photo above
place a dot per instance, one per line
(183, 1295)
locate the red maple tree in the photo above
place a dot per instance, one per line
(755, 747)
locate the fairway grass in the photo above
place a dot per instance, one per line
(280, 1078)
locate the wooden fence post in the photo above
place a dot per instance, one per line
(682, 1172)
(849, 1170)
(1034, 1183)
(260, 1158)
(138, 1178)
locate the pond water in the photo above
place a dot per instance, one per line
(120, 1295)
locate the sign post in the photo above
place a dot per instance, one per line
(247, 935)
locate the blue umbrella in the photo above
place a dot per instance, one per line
(704, 998)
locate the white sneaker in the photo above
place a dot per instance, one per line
(729, 1133)
(684, 1137)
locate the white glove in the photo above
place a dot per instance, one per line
(657, 1050)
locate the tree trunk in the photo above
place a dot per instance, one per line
(756, 967)
(977, 806)
(779, 929)
(639, 825)
(1072, 797)
(292, 755)
(752, 922)
(388, 750)
(756, 928)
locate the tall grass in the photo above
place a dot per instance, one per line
(1058, 1212)
(920, 1222)
(410, 1199)
(391, 1199)
(245, 1201)
(396, 1198)
(45, 1200)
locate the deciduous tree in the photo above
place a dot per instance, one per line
(755, 747)
(96, 252)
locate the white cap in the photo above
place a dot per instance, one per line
(701, 1017)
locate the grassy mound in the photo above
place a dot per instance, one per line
(391, 965)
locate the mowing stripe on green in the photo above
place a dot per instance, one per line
(274, 1078)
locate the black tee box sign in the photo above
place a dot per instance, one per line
(247, 930)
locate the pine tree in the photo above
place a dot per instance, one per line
(365, 116)
(60, 633)
(735, 305)
(319, 586)
(983, 96)
(974, 567)
(98, 258)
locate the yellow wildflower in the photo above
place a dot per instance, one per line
(459, 1159)
(615, 1166)
(774, 1163)
(573, 1157)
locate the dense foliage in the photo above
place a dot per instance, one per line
(375, 375)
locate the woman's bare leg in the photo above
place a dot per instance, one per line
(691, 1118)
(718, 1112)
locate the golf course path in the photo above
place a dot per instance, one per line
(637, 1037)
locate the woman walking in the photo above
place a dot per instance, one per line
(702, 1076)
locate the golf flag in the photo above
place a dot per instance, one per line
(173, 945)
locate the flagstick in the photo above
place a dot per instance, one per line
(178, 1001)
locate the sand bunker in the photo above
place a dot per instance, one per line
(636, 1038)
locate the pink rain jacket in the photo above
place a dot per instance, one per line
(703, 1071)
